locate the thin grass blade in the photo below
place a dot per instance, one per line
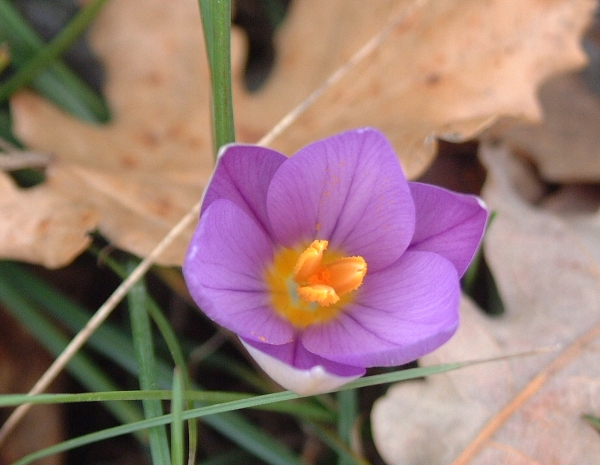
(177, 436)
(216, 20)
(347, 415)
(57, 83)
(144, 349)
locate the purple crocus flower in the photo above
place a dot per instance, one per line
(329, 262)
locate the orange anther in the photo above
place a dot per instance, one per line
(346, 274)
(319, 293)
(325, 283)
(309, 261)
(313, 286)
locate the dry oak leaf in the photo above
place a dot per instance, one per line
(443, 68)
(144, 170)
(524, 410)
(565, 146)
(39, 225)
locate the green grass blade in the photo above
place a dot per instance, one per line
(299, 410)
(273, 453)
(80, 367)
(107, 340)
(338, 445)
(176, 352)
(347, 415)
(228, 365)
(119, 349)
(144, 350)
(177, 437)
(252, 438)
(177, 355)
(197, 396)
(57, 83)
(216, 20)
(51, 51)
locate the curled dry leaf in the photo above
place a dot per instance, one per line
(437, 68)
(565, 145)
(144, 170)
(524, 410)
(40, 225)
(444, 69)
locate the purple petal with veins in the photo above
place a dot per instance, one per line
(349, 190)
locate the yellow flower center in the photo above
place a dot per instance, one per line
(313, 286)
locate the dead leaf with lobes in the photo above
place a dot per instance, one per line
(442, 69)
(565, 145)
(39, 225)
(438, 68)
(524, 410)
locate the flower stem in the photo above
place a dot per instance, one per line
(216, 19)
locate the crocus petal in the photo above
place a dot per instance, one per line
(297, 370)
(448, 223)
(223, 271)
(242, 175)
(400, 314)
(348, 189)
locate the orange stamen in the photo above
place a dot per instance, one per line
(313, 286)
(346, 274)
(320, 293)
(325, 283)
(309, 261)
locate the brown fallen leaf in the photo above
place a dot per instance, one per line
(525, 410)
(39, 225)
(437, 68)
(43, 425)
(565, 145)
(442, 69)
(145, 169)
